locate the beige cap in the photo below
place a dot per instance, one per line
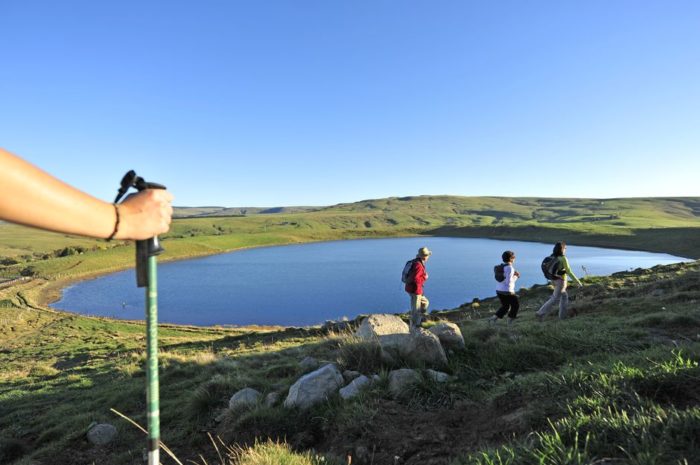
(424, 252)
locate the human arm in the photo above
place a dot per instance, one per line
(32, 197)
(567, 270)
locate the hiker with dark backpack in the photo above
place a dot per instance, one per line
(506, 275)
(414, 276)
(556, 269)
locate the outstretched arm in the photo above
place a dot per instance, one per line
(32, 197)
(567, 269)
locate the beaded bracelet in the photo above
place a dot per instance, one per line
(116, 223)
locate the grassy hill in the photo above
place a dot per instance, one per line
(617, 384)
(669, 225)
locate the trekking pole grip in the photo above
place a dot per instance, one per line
(147, 247)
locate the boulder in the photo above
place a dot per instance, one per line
(271, 399)
(400, 380)
(314, 387)
(420, 347)
(349, 375)
(245, 398)
(449, 335)
(437, 376)
(379, 325)
(308, 364)
(101, 434)
(353, 389)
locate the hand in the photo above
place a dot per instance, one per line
(145, 215)
(517, 274)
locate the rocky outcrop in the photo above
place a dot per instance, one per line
(379, 325)
(314, 387)
(245, 398)
(101, 434)
(449, 335)
(353, 389)
(420, 347)
(401, 380)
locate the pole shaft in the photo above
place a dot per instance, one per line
(152, 387)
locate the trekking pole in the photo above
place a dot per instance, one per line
(146, 276)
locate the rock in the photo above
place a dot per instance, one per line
(271, 399)
(349, 375)
(245, 398)
(449, 335)
(353, 389)
(420, 347)
(381, 324)
(400, 380)
(101, 434)
(437, 376)
(314, 387)
(308, 364)
(362, 454)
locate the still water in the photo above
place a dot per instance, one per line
(310, 283)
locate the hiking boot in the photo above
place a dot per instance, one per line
(493, 320)
(511, 321)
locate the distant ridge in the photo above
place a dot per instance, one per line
(202, 212)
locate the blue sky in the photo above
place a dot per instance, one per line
(301, 102)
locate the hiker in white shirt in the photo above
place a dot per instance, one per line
(505, 290)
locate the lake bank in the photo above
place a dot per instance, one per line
(99, 263)
(307, 284)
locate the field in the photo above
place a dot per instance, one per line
(617, 384)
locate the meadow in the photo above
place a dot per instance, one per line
(617, 384)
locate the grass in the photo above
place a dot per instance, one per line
(659, 224)
(617, 382)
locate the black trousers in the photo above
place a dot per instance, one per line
(509, 305)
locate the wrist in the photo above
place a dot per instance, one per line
(117, 221)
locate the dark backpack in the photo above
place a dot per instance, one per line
(499, 272)
(550, 267)
(407, 275)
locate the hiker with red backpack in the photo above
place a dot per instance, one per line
(415, 275)
(506, 275)
(556, 268)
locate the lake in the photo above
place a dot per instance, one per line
(309, 283)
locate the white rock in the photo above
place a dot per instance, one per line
(402, 379)
(314, 387)
(101, 434)
(353, 389)
(437, 376)
(379, 325)
(449, 335)
(246, 397)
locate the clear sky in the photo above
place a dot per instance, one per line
(299, 102)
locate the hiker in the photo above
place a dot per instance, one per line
(32, 197)
(506, 275)
(561, 271)
(414, 286)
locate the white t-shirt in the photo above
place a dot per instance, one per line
(508, 284)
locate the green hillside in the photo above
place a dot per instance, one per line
(618, 382)
(669, 225)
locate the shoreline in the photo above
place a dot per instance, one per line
(51, 291)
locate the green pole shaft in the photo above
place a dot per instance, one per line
(152, 387)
